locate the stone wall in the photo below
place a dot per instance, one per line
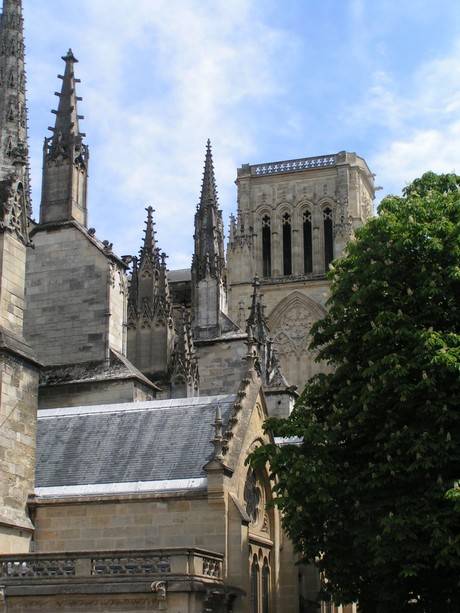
(75, 298)
(12, 272)
(18, 406)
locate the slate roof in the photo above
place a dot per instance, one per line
(154, 441)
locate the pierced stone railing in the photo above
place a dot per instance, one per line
(139, 565)
(135, 563)
(25, 566)
(273, 168)
(212, 567)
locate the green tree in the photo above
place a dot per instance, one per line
(364, 495)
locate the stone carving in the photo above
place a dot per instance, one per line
(159, 587)
(212, 568)
(252, 497)
(13, 206)
(111, 274)
(292, 332)
(265, 524)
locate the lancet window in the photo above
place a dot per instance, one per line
(287, 244)
(266, 246)
(260, 581)
(307, 242)
(328, 237)
(255, 585)
(265, 586)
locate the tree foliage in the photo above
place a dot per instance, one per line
(364, 495)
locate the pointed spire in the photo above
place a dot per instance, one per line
(150, 308)
(14, 159)
(149, 248)
(208, 259)
(208, 188)
(66, 130)
(65, 163)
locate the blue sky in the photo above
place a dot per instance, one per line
(265, 80)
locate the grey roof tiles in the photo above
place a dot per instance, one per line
(135, 442)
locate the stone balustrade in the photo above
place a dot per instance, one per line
(136, 564)
(274, 168)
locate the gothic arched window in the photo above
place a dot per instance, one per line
(307, 242)
(265, 586)
(287, 244)
(328, 237)
(255, 585)
(266, 246)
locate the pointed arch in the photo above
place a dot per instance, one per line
(266, 221)
(307, 239)
(290, 323)
(328, 236)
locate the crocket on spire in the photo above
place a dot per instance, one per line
(208, 258)
(65, 163)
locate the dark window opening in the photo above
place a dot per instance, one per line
(266, 247)
(328, 238)
(287, 245)
(307, 243)
(255, 585)
(265, 586)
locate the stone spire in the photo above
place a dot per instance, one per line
(209, 278)
(14, 160)
(150, 311)
(65, 157)
(208, 259)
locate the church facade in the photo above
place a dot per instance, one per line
(131, 395)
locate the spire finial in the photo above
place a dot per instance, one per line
(149, 248)
(69, 57)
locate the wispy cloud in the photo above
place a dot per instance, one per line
(264, 79)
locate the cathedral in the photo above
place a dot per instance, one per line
(131, 395)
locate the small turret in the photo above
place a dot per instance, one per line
(65, 157)
(150, 312)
